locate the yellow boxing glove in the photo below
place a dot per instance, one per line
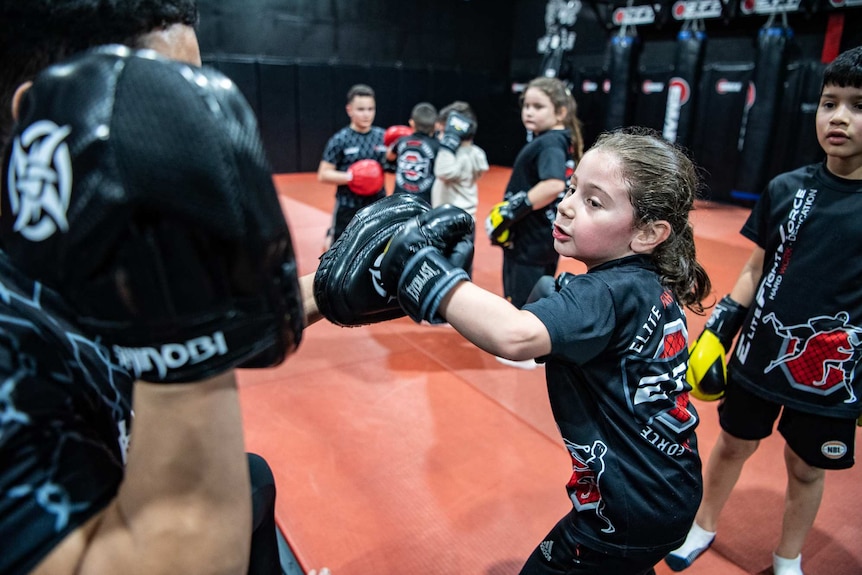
(707, 367)
(504, 215)
(707, 363)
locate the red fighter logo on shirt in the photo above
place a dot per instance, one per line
(819, 356)
(588, 465)
(657, 384)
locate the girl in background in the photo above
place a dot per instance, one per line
(523, 222)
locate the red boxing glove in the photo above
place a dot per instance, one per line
(394, 133)
(366, 177)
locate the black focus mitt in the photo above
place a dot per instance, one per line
(347, 286)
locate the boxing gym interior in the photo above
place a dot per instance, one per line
(402, 448)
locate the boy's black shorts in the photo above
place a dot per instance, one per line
(823, 442)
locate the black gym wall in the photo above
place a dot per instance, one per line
(295, 60)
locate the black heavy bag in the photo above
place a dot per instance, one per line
(622, 56)
(652, 81)
(756, 132)
(723, 94)
(796, 132)
(590, 92)
(681, 91)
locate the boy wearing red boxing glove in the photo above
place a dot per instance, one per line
(361, 140)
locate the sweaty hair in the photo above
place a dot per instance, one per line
(358, 90)
(662, 183)
(465, 110)
(424, 115)
(561, 97)
(37, 33)
(845, 70)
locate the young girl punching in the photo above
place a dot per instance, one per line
(614, 344)
(523, 222)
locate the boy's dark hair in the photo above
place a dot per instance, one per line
(37, 33)
(845, 70)
(465, 110)
(359, 90)
(424, 115)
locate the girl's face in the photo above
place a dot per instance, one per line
(537, 112)
(595, 220)
(361, 111)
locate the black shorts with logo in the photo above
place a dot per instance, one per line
(822, 442)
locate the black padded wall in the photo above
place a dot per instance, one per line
(651, 95)
(295, 59)
(716, 143)
(279, 121)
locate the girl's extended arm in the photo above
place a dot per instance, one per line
(495, 325)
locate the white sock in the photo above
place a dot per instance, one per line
(784, 566)
(697, 540)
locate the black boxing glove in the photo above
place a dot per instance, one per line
(415, 263)
(140, 192)
(458, 127)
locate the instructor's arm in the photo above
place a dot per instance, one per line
(184, 505)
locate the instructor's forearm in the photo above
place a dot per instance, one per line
(309, 304)
(185, 503)
(328, 174)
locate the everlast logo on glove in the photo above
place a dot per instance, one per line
(417, 283)
(143, 360)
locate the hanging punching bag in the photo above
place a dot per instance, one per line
(681, 96)
(758, 125)
(622, 55)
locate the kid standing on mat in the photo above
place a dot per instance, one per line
(414, 155)
(460, 163)
(359, 182)
(522, 223)
(613, 341)
(798, 303)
